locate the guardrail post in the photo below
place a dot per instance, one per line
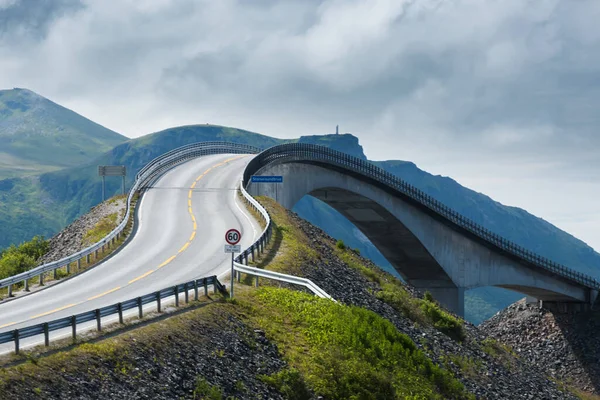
(10, 291)
(26, 282)
(96, 255)
(187, 295)
(42, 279)
(256, 284)
(120, 311)
(157, 301)
(239, 276)
(78, 264)
(68, 268)
(215, 286)
(176, 296)
(87, 259)
(46, 335)
(252, 248)
(140, 310)
(246, 258)
(205, 287)
(55, 273)
(196, 290)
(16, 333)
(74, 328)
(98, 320)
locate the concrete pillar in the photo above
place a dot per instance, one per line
(452, 298)
(593, 297)
(531, 300)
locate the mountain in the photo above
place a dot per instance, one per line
(38, 135)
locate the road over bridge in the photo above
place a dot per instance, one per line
(432, 247)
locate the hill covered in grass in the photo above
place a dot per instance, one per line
(38, 135)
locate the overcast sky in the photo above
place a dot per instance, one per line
(501, 95)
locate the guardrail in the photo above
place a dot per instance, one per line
(152, 170)
(302, 152)
(118, 308)
(259, 246)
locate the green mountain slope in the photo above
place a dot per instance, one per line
(37, 135)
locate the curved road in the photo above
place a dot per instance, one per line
(180, 236)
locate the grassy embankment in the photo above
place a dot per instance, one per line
(21, 258)
(332, 350)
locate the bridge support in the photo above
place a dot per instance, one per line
(451, 298)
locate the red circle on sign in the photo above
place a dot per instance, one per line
(233, 236)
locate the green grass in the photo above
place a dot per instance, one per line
(205, 390)
(105, 226)
(345, 352)
(470, 368)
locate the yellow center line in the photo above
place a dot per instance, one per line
(141, 277)
(105, 293)
(167, 262)
(53, 311)
(185, 246)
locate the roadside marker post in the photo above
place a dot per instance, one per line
(232, 237)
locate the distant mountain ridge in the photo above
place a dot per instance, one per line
(38, 135)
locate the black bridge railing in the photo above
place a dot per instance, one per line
(302, 152)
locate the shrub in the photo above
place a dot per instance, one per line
(205, 390)
(443, 321)
(289, 382)
(340, 245)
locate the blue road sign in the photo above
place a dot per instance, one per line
(267, 179)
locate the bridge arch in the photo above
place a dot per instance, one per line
(431, 247)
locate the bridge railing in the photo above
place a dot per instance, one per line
(146, 175)
(16, 335)
(302, 152)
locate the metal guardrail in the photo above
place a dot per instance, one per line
(277, 276)
(152, 170)
(301, 152)
(259, 246)
(71, 321)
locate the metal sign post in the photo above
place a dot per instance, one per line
(112, 170)
(232, 237)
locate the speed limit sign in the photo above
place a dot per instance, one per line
(233, 236)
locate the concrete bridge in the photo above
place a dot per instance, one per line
(431, 246)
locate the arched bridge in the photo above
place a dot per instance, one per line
(431, 246)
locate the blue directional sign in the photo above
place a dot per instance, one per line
(267, 179)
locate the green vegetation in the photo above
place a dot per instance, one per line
(105, 226)
(17, 259)
(424, 311)
(501, 352)
(205, 390)
(470, 368)
(347, 352)
(289, 382)
(340, 245)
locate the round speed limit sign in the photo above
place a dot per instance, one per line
(233, 236)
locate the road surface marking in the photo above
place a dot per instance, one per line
(6, 325)
(141, 277)
(193, 235)
(185, 246)
(104, 294)
(53, 311)
(167, 262)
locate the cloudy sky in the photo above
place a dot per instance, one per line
(501, 95)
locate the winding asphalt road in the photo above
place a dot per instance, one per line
(180, 237)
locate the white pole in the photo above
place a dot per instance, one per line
(232, 274)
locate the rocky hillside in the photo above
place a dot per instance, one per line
(381, 340)
(566, 345)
